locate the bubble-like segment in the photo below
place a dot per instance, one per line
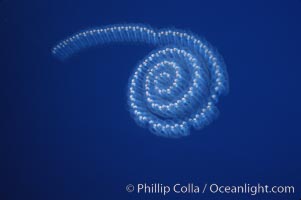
(175, 87)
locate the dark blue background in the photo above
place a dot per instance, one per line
(65, 129)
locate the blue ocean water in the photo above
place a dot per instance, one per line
(66, 132)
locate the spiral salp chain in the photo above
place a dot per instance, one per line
(175, 87)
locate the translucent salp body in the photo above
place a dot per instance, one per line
(175, 87)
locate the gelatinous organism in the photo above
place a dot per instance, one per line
(175, 87)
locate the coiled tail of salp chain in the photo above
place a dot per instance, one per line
(175, 87)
